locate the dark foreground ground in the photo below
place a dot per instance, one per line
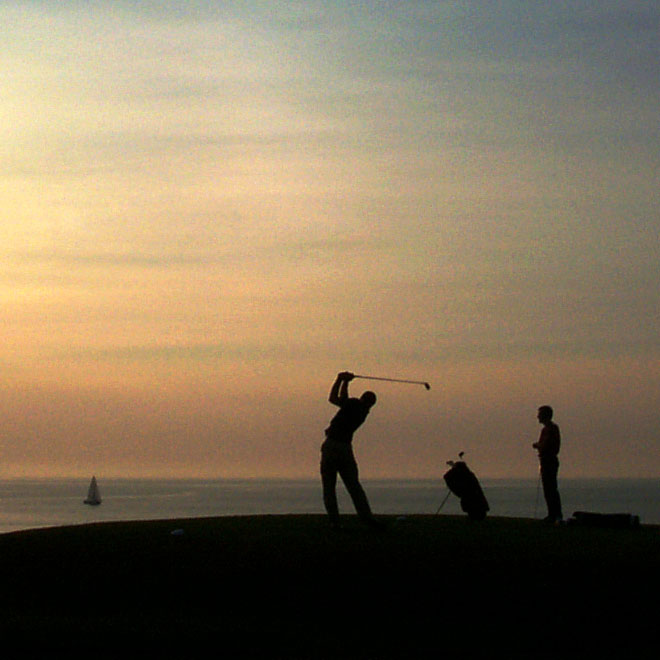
(289, 587)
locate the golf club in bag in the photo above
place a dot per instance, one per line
(464, 484)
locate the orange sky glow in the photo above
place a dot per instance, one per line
(208, 212)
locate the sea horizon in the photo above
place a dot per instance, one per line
(32, 502)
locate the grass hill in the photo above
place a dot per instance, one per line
(290, 587)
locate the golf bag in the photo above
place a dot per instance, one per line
(464, 484)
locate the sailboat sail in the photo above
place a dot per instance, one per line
(93, 494)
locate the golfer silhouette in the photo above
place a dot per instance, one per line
(337, 451)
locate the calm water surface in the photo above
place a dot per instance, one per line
(26, 503)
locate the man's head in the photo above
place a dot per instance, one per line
(544, 414)
(368, 398)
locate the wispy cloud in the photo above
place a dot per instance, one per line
(283, 186)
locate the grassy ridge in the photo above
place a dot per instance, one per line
(289, 587)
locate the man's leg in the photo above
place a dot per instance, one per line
(555, 499)
(550, 490)
(329, 482)
(349, 474)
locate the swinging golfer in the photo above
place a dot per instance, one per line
(548, 449)
(337, 450)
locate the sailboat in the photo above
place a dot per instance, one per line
(93, 494)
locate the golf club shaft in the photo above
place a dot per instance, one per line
(396, 380)
(443, 502)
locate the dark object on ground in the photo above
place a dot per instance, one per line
(464, 484)
(611, 520)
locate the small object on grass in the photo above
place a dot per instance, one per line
(611, 520)
(463, 483)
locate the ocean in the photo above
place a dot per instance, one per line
(34, 503)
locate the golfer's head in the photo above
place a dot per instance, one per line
(368, 398)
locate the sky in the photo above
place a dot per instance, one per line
(211, 208)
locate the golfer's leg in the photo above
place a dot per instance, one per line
(329, 482)
(349, 475)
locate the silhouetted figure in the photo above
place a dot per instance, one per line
(548, 449)
(337, 450)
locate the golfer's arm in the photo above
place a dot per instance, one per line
(339, 392)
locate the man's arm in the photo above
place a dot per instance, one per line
(549, 440)
(339, 391)
(542, 441)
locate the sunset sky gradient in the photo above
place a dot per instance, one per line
(211, 208)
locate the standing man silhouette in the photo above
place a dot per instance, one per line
(337, 450)
(548, 449)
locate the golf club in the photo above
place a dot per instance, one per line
(396, 380)
(443, 502)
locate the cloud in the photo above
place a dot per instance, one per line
(263, 189)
